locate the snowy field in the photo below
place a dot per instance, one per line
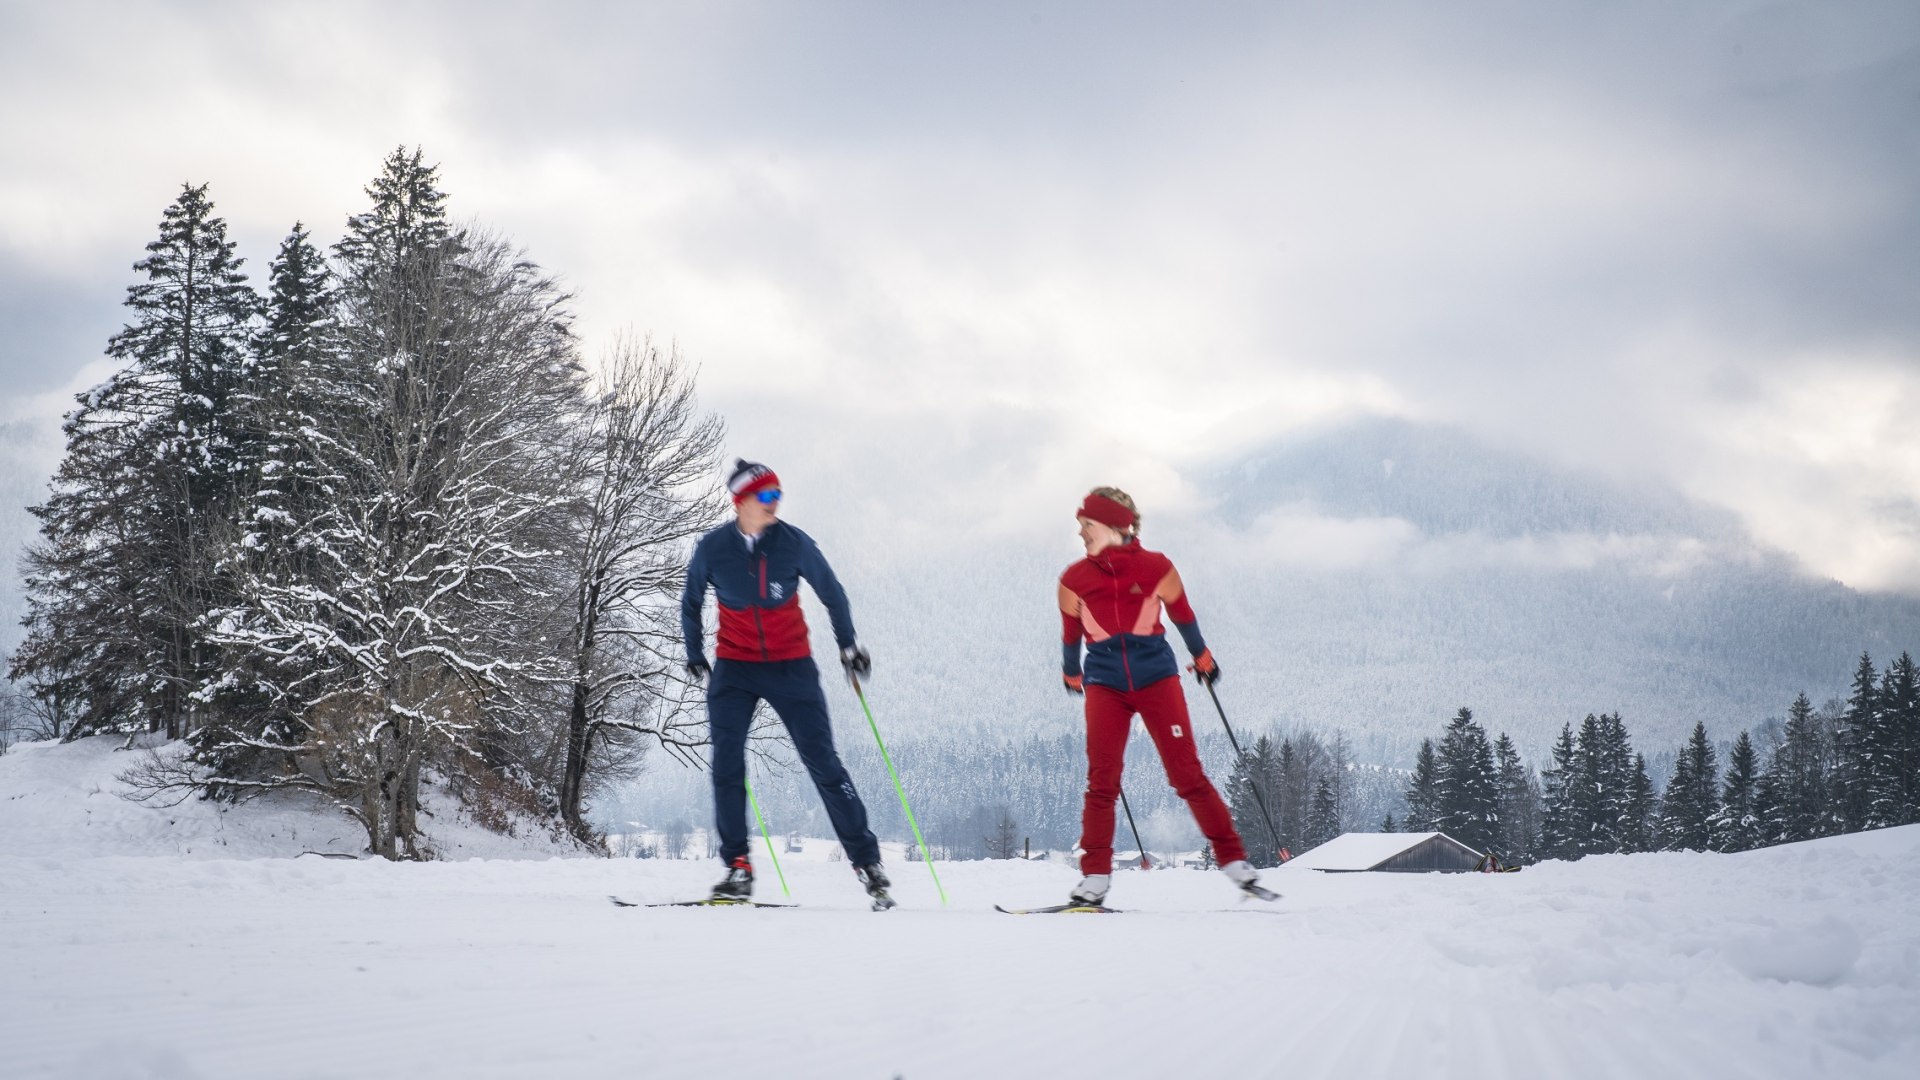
(202, 959)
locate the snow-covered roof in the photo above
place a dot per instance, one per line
(1359, 850)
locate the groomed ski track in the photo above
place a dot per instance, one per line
(1795, 962)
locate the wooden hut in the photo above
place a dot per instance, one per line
(1400, 853)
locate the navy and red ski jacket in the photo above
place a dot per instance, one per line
(759, 594)
(1113, 601)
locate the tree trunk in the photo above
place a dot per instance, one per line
(574, 774)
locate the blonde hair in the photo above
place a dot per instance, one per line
(1125, 500)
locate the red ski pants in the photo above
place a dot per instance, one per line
(1163, 708)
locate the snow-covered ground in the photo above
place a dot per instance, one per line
(1801, 961)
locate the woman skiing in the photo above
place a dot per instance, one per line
(1112, 599)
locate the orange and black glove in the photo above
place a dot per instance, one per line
(1075, 684)
(1204, 668)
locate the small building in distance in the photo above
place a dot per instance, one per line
(1402, 853)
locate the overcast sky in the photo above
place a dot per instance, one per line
(956, 263)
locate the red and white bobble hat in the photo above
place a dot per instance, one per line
(749, 478)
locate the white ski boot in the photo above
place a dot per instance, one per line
(1092, 890)
(1243, 876)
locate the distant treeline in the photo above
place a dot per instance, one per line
(373, 525)
(1849, 766)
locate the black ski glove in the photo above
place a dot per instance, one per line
(698, 670)
(856, 662)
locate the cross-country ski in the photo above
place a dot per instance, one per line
(706, 902)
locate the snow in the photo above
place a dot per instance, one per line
(1357, 851)
(62, 799)
(1797, 961)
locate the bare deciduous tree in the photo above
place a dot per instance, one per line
(646, 458)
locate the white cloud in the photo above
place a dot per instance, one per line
(1015, 258)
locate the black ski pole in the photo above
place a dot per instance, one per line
(1136, 830)
(1242, 754)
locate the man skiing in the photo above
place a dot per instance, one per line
(754, 565)
(1112, 599)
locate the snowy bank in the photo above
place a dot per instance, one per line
(59, 799)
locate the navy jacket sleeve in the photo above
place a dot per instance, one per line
(692, 598)
(813, 567)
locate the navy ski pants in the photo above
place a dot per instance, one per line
(792, 688)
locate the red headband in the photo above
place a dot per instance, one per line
(1107, 512)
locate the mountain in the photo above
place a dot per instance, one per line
(1378, 576)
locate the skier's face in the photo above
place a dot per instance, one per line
(1097, 536)
(756, 515)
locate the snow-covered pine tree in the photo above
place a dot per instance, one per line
(1559, 825)
(1296, 763)
(1339, 769)
(1259, 766)
(124, 575)
(1423, 792)
(1519, 806)
(1637, 832)
(424, 616)
(1617, 799)
(1737, 825)
(1467, 788)
(1692, 797)
(296, 395)
(407, 222)
(1595, 820)
(1856, 745)
(1323, 817)
(1800, 804)
(1896, 792)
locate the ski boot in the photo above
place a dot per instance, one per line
(874, 880)
(1092, 890)
(1247, 881)
(737, 886)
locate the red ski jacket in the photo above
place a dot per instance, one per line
(1113, 600)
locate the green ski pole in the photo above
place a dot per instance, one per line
(898, 789)
(768, 837)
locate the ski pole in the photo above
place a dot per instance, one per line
(897, 788)
(768, 837)
(1136, 830)
(1258, 800)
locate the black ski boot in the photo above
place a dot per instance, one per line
(875, 881)
(737, 886)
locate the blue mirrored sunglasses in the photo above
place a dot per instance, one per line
(770, 495)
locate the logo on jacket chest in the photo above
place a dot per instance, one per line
(777, 591)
